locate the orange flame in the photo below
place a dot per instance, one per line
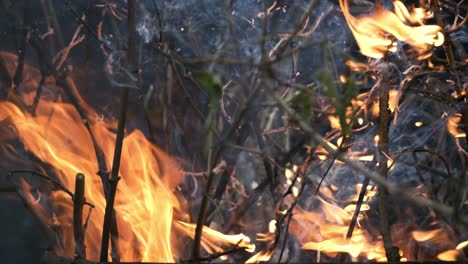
(58, 137)
(453, 126)
(325, 230)
(328, 233)
(145, 202)
(374, 32)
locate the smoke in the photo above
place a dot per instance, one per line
(147, 28)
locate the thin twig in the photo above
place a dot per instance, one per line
(159, 18)
(46, 69)
(340, 150)
(289, 212)
(396, 191)
(114, 178)
(341, 256)
(285, 237)
(447, 44)
(55, 182)
(75, 13)
(37, 97)
(298, 29)
(247, 203)
(212, 159)
(459, 26)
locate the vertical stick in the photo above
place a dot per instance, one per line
(448, 47)
(447, 44)
(384, 121)
(78, 230)
(23, 24)
(114, 178)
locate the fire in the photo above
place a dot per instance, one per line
(146, 205)
(328, 233)
(453, 254)
(325, 228)
(211, 239)
(374, 32)
(392, 102)
(57, 137)
(453, 126)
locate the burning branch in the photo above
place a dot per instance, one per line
(376, 177)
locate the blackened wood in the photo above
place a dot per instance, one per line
(78, 230)
(384, 122)
(109, 225)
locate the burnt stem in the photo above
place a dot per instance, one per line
(108, 224)
(384, 121)
(220, 190)
(340, 150)
(213, 156)
(18, 78)
(448, 47)
(37, 97)
(57, 183)
(166, 100)
(286, 235)
(78, 230)
(447, 44)
(230, 169)
(113, 180)
(204, 205)
(5, 79)
(341, 256)
(47, 68)
(247, 203)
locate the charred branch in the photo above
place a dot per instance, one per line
(78, 228)
(108, 224)
(384, 121)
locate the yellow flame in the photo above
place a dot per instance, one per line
(453, 254)
(213, 241)
(453, 126)
(449, 255)
(145, 204)
(262, 256)
(462, 245)
(374, 32)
